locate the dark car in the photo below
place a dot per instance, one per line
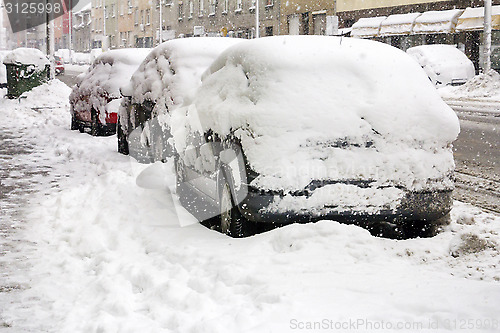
(168, 77)
(300, 128)
(95, 98)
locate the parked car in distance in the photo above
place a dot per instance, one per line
(59, 65)
(354, 134)
(169, 76)
(95, 98)
(444, 64)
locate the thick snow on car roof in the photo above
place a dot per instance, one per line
(295, 100)
(173, 70)
(111, 70)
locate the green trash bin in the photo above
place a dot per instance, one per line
(24, 77)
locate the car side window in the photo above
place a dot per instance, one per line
(143, 112)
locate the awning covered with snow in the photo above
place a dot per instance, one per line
(398, 24)
(433, 22)
(473, 19)
(367, 27)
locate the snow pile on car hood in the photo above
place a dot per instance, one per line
(485, 85)
(104, 78)
(27, 56)
(171, 73)
(320, 108)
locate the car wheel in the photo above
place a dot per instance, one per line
(74, 124)
(122, 139)
(95, 126)
(232, 223)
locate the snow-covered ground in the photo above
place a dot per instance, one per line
(105, 255)
(480, 94)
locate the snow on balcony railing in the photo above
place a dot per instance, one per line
(444, 21)
(367, 27)
(473, 19)
(398, 24)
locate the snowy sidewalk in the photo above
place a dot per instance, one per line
(480, 95)
(112, 257)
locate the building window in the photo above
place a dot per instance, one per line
(213, 5)
(239, 5)
(181, 10)
(148, 17)
(168, 2)
(225, 6)
(269, 3)
(136, 17)
(200, 8)
(269, 31)
(113, 10)
(191, 9)
(106, 11)
(252, 7)
(142, 16)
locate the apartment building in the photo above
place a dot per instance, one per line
(98, 24)
(305, 17)
(82, 29)
(184, 18)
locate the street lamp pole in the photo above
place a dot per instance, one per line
(257, 21)
(161, 23)
(50, 38)
(487, 35)
(70, 30)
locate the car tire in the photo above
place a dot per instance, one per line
(95, 126)
(74, 124)
(122, 139)
(232, 222)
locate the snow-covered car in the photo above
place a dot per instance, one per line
(95, 98)
(291, 129)
(59, 65)
(168, 77)
(444, 64)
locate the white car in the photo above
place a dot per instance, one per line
(444, 64)
(291, 129)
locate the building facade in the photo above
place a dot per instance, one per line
(82, 22)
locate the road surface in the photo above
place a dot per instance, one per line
(477, 157)
(70, 74)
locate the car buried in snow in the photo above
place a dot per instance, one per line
(168, 76)
(95, 98)
(292, 129)
(445, 65)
